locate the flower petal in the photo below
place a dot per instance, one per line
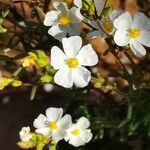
(57, 32)
(94, 34)
(81, 76)
(99, 6)
(54, 114)
(115, 14)
(74, 29)
(78, 3)
(123, 22)
(145, 38)
(57, 58)
(83, 123)
(44, 131)
(50, 18)
(86, 135)
(141, 21)
(58, 135)
(61, 7)
(63, 78)
(40, 121)
(73, 15)
(87, 56)
(121, 38)
(65, 122)
(76, 141)
(137, 48)
(72, 45)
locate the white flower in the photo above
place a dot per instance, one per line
(79, 134)
(134, 31)
(25, 134)
(70, 62)
(53, 124)
(63, 21)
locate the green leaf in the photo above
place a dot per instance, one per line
(46, 78)
(106, 11)
(2, 30)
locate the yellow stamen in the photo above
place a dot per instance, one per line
(134, 33)
(53, 125)
(76, 132)
(28, 61)
(72, 63)
(64, 20)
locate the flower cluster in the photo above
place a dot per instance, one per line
(55, 127)
(120, 26)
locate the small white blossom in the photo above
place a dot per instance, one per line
(25, 134)
(133, 30)
(70, 63)
(53, 124)
(63, 21)
(79, 134)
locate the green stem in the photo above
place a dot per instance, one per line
(132, 61)
(33, 92)
(17, 71)
(53, 146)
(129, 116)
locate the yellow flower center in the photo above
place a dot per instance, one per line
(53, 125)
(134, 33)
(76, 132)
(72, 63)
(28, 61)
(64, 20)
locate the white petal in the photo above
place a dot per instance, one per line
(81, 76)
(121, 38)
(44, 131)
(57, 32)
(86, 135)
(141, 21)
(26, 137)
(54, 114)
(72, 45)
(115, 14)
(63, 77)
(83, 123)
(58, 135)
(73, 15)
(61, 7)
(99, 6)
(87, 56)
(65, 122)
(57, 58)
(74, 29)
(50, 18)
(145, 38)
(123, 22)
(80, 16)
(25, 134)
(40, 122)
(76, 141)
(137, 48)
(78, 3)
(94, 34)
